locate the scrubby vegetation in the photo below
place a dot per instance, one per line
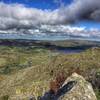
(29, 69)
(15, 58)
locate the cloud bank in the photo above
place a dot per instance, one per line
(17, 18)
(57, 31)
(17, 15)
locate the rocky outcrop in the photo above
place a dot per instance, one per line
(74, 88)
(82, 90)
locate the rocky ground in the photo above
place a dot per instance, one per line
(75, 87)
(26, 72)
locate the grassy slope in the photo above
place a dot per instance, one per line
(29, 70)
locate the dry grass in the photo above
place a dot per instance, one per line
(36, 68)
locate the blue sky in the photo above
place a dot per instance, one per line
(41, 4)
(88, 24)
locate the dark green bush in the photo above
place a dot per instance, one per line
(5, 97)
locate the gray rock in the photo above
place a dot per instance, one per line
(82, 90)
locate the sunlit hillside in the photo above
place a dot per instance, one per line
(28, 70)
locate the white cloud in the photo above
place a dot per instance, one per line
(57, 30)
(17, 18)
(17, 15)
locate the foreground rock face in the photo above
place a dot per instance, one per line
(74, 88)
(82, 90)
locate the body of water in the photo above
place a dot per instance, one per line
(51, 47)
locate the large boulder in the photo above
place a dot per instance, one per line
(74, 88)
(82, 90)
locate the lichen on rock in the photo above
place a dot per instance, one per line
(81, 91)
